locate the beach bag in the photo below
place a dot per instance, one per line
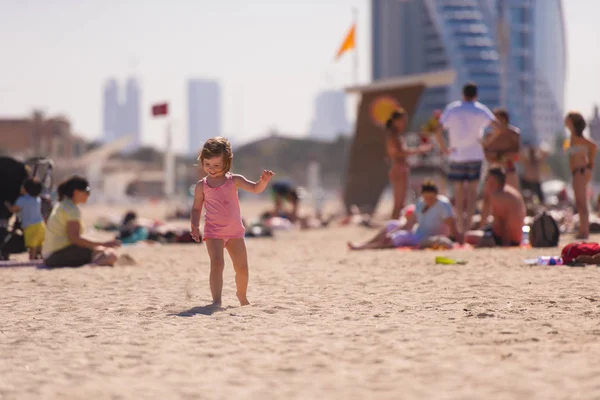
(573, 250)
(544, 231)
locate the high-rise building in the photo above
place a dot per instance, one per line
(515, 50)
(111, 111)
(122, 113)
(594, 125)
(204, 112)
(329, 119)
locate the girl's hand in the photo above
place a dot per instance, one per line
(266, 175)
(195, 233)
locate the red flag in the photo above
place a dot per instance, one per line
(160, 109)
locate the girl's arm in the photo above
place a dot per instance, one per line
(197, 206)
(253, 187)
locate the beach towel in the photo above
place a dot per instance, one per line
(21, 263)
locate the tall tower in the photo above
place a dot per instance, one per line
(484, 41)
(204, 112)
(131, 113)
(121, 117)
(111, 112)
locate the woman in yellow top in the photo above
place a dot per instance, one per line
(64, 246)
(582, 154)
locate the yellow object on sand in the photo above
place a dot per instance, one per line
(448, 261)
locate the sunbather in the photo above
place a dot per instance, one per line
(433, 217)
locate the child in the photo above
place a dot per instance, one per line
(223, 228)
(29, 206)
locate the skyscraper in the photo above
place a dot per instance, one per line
(329, 118)
(204, 112)
(122, 115)
(514, 50)
(111, 111)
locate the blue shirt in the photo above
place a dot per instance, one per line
(30, 210)
(431, 222)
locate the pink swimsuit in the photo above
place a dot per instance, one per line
(223, 218)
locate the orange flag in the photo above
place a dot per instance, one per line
(349, 43)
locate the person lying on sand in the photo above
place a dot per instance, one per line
(508, 210)
(433, 216)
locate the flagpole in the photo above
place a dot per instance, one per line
(169, 164)
(355, 59)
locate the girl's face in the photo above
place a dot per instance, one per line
(214, 167)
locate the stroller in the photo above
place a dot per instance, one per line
(12, 175)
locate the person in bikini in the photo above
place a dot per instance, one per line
(397, 154)
(582, 152)
(501, 147)
(507, 208)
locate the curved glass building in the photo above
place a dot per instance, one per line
(513, 49)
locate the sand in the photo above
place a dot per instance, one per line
(324, 324)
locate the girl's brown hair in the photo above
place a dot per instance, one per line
(215, 147)
(578, 122)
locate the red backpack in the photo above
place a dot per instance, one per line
(573, 250)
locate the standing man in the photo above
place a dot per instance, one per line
(465, 121)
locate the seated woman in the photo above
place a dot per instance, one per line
(434, 216)
(64, 246)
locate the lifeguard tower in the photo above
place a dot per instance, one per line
(367, 172)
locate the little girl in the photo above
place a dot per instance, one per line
(223, 228)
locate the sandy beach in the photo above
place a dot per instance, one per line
(324, 323)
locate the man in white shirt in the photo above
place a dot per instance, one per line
(465, 122)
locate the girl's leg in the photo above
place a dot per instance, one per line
(32, 253)
(217, 265)
(580, 191)
(239, 257)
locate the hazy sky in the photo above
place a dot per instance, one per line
(271, 57)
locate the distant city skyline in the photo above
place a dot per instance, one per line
(121, 112)
(271, 58)
(204, 112)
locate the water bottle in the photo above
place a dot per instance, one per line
(525, 237)
(545, 260)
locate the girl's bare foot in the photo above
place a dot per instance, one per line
(243, 300)
(351, 246)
